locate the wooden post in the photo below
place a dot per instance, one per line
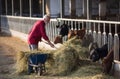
(47, 7)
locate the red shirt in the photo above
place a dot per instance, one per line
(37, 32)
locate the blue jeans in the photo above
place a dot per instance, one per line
(33, 47)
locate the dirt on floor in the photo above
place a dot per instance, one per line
(9, 46)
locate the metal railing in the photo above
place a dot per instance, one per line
(102, 31)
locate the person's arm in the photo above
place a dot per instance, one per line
(43, 33)
(52, 45)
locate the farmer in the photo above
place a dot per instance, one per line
(37, 32)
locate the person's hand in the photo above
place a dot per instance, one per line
(52, 45)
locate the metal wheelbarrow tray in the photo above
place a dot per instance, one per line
(36, 63)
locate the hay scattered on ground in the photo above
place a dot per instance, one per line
(21, 64)
(67, 57)
(63, 59)
(71, 60)
(22, 60)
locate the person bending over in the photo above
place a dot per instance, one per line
(37, 32)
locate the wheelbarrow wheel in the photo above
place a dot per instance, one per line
(39, 69)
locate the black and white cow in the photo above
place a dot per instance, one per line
(64, 29)
(99, 53)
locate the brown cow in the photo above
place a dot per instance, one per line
(79, 33)
(107, 62)
(71, 34)
(58, 39)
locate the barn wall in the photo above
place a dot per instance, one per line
(24, 24)
(17, 23)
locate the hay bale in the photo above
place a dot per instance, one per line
(65, 61)
(21, 64)
(66, 58)
(73, 41)
(76, 44)
(61, 61)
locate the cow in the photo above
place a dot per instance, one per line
(64, 30)
(107, 62)
(92, 45)
(99, 53)
(58, 39)
(79, 33)
(71, 34)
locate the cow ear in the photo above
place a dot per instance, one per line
(62, 26)
(57, 26)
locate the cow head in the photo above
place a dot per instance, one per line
(58, 39)
(63, 30)
(93, 45)
(94, 55)
(71, 34)
(80, 33)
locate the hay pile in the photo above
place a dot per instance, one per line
(21, 65)
(63, 61)
(67, 57)
(60, 62)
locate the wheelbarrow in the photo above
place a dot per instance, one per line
(36, 63)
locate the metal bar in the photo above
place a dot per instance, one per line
(115, 28)
(0, 13)
(6, 6)
(88, 16)
(30, 7)
(60, 8)
(20, 7)
(43, 7)
(109, 28)
(94, 21)
(12, 8)
(103, 27)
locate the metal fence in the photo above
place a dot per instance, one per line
(102, 31)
